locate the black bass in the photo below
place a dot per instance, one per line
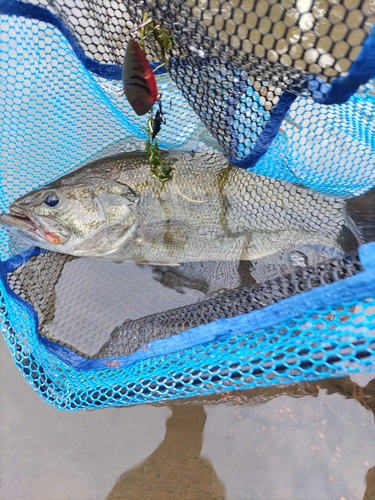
(210, 210)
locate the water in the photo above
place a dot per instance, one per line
(308, 441)
(311, 441)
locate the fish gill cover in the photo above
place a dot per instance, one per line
(282, 88)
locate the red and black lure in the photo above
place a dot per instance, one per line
(138, 79)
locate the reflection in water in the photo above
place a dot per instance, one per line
(175, 469)
(370, 485)
(351, 390)
(366, 397)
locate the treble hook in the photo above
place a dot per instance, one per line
(159, 119)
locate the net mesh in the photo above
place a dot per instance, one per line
(250, 79)
(332, 338)
(49, 282)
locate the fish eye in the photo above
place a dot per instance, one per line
(137, 103)
(51, 200)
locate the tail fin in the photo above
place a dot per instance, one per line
(361, 210)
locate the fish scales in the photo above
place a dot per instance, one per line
(268, 205)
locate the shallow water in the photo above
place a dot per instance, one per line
(306, 441)
(311, 441)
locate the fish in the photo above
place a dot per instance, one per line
(210, 210)
(138, 79)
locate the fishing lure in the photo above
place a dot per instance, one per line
(138, 79)
(139, 84)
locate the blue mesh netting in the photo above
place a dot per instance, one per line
(328, 148)
(328, 331)
(60, 106)
(48, 99)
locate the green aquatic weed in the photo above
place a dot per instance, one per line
(162, 38)
(158, 166)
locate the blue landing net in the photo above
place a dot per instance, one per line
(285, 90)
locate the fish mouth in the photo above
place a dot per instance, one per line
(44, 232)
(20, 219)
